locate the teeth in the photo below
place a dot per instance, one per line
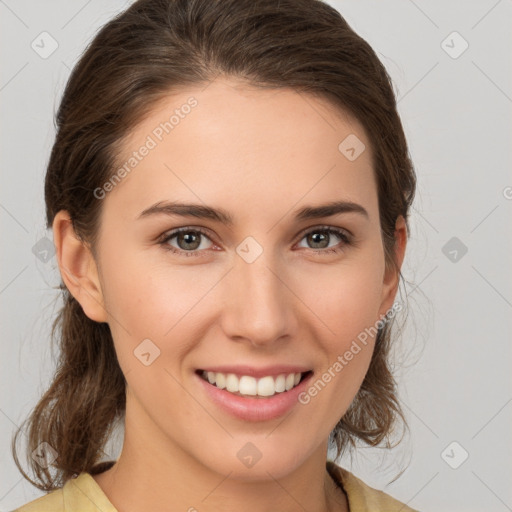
(250, 386)
(290, 379)
(232, 383)
(220, 380)
(266, 386)
(280, 384)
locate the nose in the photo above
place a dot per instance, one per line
(257, 302)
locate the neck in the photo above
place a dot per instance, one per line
(162, 476)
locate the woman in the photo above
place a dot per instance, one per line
(229, 191)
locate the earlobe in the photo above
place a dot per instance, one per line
(78, 268)
(392, 274)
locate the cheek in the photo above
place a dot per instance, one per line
(148, 300)
(143, 292)
(346, 298)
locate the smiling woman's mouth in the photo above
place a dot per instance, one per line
(248, 386)
(264, 396)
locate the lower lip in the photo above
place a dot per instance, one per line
(254, 409)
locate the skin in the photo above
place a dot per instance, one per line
(259, 154)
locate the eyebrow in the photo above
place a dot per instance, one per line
(220, 215)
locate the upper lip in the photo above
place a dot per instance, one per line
(251, 371)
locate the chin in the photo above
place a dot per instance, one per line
(254, 460)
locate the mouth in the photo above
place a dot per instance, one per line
(249, 386)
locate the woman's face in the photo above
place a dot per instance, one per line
(271, 292)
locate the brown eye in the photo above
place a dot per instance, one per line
(320, 238)
(188, 241)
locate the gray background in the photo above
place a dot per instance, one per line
(455, 354)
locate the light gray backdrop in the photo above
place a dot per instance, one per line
(451, 64)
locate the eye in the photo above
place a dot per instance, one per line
(188, 240)
(321, 236)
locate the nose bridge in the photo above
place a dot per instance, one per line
(258, 303)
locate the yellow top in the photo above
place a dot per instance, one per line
(83, 494)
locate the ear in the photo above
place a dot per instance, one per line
(392, 274)
(78, 268)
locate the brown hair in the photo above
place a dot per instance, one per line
(150, 49)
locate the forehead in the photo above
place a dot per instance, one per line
(228, 142)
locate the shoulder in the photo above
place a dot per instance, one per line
(51, 502)
(361, 497)
(81, 493)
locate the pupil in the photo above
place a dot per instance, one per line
(318, 238)
(189, 239)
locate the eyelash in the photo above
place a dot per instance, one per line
(342, 234)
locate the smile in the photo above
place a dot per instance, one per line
(246, 385)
